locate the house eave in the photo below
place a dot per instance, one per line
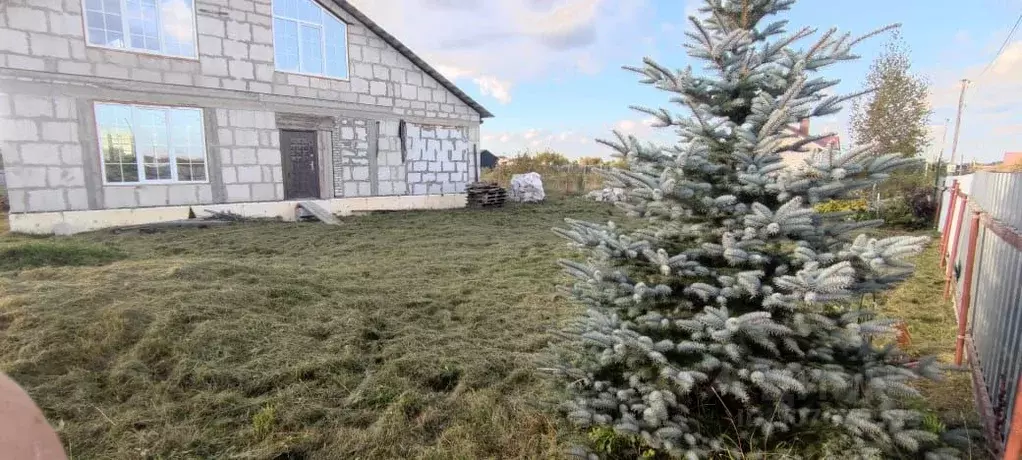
(408, 53)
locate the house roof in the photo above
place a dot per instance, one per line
(401, 48)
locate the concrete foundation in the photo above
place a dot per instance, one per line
(70, 222)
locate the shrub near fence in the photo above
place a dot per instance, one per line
(981, 250)
(559, 180)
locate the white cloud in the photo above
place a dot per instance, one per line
(573, 143)
(498, 44)
(493, 86)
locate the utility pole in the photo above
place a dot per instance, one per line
(958, 122)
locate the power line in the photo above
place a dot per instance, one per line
(1003, 46)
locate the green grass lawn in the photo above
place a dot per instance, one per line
(398, 335)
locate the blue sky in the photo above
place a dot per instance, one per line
(550, 69)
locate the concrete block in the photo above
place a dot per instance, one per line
(13, 41)
(119, 197)
(242, 5)
(258, 17)
(77, 68)
(264, 192)
(259, 87)
(28, 63)
(210, 46)
(205, 193)
(250, 174)
(377, 88)
(429, 177)
(209, 25)
(262, 34)
(264, 72)
(64, 177)
(232, 84)
(360, 174)
(409, 91)
(277, 174)
(182, 194)
(60, 131)
(268, 156)
(414, 177)
(419, 189)
(451, 187)
(383, 174)
(26, 19)
(225, 136)
(32, 106)
(177, 78)
(246, 137)
(241, 118)
(34, 153)
(25, 177)
(214, 66)
(239, 192)
(364, 189)
(350, 189)
(66, 24)
(16, 200)
(235, 50)
(49, 45)
(366, 99)
(207, 82)
(244, 156)
(110, 71)
(230, 175)
(152, 195)
(359, 85)
(77, 198)
(261, 53)
(297, 80)
(45, 200)
(371, 55)
(386, 188)
(362, 70)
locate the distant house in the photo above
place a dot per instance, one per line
(811, 150)
(487, 159)
(129, 112)
(1012, 159)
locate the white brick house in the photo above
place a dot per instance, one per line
(129, 111)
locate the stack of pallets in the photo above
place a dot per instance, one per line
(486, 195)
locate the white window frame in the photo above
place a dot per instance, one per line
(300, 22)
(139, 161)
(127, 37)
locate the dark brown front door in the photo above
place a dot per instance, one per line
(301, 171)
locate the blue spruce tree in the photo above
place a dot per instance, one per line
(727, 323)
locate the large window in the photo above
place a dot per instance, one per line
(309, 39)
(152, 26)
(151, 144)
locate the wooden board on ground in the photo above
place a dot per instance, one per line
(319, 212)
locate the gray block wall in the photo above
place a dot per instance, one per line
(49, 79)
(249, 151)
(42, 153)
(235, 52)
(438, 159)
(351, 157)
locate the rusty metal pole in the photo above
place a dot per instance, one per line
(944, 237)
(1013, 448)
(970, 262)
(949, 274)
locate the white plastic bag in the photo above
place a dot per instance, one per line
(527, 188)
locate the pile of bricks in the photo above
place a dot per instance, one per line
(486, 195)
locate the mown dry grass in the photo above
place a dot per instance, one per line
(933, 328)
(403, 335)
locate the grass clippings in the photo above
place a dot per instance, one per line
(400, 335)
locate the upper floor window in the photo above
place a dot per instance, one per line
(151, 26)
(309, 39)
(144, 144)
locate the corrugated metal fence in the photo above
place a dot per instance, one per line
(981, 249)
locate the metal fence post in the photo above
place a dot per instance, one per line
(944, 237)
(970, 260)
(1013, 448)
(949, 275)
